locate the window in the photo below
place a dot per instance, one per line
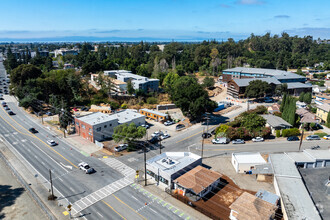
(98, 129)
(105, 126)
(110, 125)
(83, 126)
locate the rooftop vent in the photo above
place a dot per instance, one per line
(167, 161)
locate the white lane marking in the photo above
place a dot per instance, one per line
(72, 189)
(60, 179)
(28, 149)
(49, 157)
(135, 198)
(43, 163)
(153, 210)
(99, 214)
(35, 156)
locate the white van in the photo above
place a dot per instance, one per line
(220, 140)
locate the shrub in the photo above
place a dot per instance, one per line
(321, 135)
(278, 133)
(278, 114)
(221, 128)
(123, 106)
(114, 105)
(235, 133)
(265, 132)
(290, 132)
(152, 100)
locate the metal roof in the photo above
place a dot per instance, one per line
(324, 107)
(276, 122)
(248, 157)
(96, 118)
(154, 112)
(267, 196)
(246, 81)
(298, 85)
(270, 72)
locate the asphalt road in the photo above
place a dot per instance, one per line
(70, 183)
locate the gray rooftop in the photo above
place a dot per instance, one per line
(315, 180)
(318, 155)
(288, 75)
(263, 169)
(270, 72)
(299, 157)
(298, 85)
(295, 197)
(276, 122)
(127, 115)
(246, 81)
(180, 161)
(267, 196)
(324, 107)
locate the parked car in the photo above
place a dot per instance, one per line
(258, 139)
(145, 126)
(33, 130)
(206, 135)
(51, 143)
(326, 137)
(180, 127)
(269, 100)
(121, 147)
(3, 103)
(84, 108)
(11, 113)
(154, 140)
(293, 138)
(313, 137)
(221, 140)
(238, 141)
(213, 132)
(167, 123)
(7, 108)
(49, 114)
(164, 136)
(85, 167)
(157, 134)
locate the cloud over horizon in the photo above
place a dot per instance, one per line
(250, 2)
(282, 16)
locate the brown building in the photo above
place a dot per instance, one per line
(150, 114)
(236, 87)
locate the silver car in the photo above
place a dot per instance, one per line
(238, 141)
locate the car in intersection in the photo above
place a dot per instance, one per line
(33, 130)
(86, 168)
(11, 113)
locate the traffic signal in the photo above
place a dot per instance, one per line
(137, 172)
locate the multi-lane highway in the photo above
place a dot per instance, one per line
(70, 183)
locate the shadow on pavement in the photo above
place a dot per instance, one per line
(8, 197)
(65, 197)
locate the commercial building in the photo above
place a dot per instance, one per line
(138, 82)
(118, 86)
(197, 183)
(249, 206)
(99, 126)
(239, 78)
(65, 51)
(166, 167)
(245, 161)
(150, 114)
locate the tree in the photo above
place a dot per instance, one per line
(257, 88)
(208, 82)
(22, 73)
(130, 88)
(289, 110)
(283, 102)
(301, 97)
(214, 53)
(328, 121)
(169, 80)
(307, 98)
(191, 98)
(253, 121)
(129, 134)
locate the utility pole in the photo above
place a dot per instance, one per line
(51, 185)
(302, 136)
(207, 123)
(145, 165)
(202, 145)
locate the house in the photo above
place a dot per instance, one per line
(321, 99)
(306, 116)
(197, 182)
(268, 197)
(138, 82)
(301, 105)
(318, 89)
(298, 87)
(246, 161)
(249, 206)
(274, 108)
(150, 114)
(166, 167)
(276, 123)
(322, 112)
(99, 126)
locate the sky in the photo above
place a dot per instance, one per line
(182, 20)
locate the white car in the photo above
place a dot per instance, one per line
(145, 126)
(121, 147)
(167, 123)
(164, 136)
(326, 137)
(258, 139)
(157, 134)
(51, 143)
(221, 140)
(86, 168)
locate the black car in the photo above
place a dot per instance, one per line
(206, 135)
(213, 132)
(180, 126)
(293, 138)
(33, 130)
(11, 113)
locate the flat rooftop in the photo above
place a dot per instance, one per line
(247, 157)
(96, 118)
(295, 197)
(154, 112)
(127, 115)
(315, 180)
(178, 161)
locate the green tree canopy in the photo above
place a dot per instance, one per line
(257, 88)
(307, 98)
(23, 73)
(128, 133)
(170, 79)
(208, 82)
(253, 121)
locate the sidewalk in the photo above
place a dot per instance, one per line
(153, 189)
